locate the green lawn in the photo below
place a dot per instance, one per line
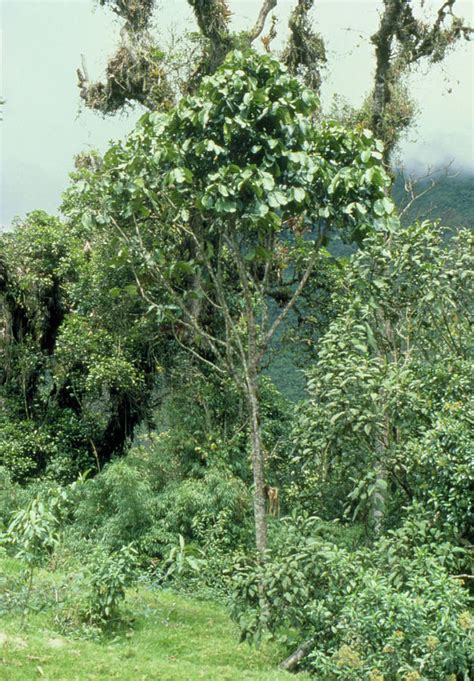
(173, 638)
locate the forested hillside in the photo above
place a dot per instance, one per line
(236, 380)
(448, 198)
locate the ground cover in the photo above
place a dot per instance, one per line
(170, 637)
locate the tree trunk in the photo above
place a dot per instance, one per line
(291, 663)
(258, 467)
(379, 496)
(258, 464)
(383, 52)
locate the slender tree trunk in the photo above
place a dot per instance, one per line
(258, 467)
(379, 497)
(258, 464)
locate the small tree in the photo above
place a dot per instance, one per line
(33, 533)
(242, 179)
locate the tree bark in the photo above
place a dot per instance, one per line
(383, 52)
(292, 662)
(258, 464)
(380, 495)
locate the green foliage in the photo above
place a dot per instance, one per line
(29, 449)
(8, 496)
(32, 533)
(210, 507)
(108, 575)
(77, 367)
(182, 560)
(392, 387)
(130, 502)
(440, 465)
(262, 163)
(391, 610)
(114, 508)
(182, 245)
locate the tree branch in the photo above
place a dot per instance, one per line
(196, 354)
(212, 17)
(281, 317)
(267, 7)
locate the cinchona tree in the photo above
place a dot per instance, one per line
(250, 187)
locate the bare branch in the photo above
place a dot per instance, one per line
(464, 576)
(281, 317)
(267, 7)
(292, 662)
(411, 183)
(216, 279)
(196, 354)
(84, 68)
(188, 320)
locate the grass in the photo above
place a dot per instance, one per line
(173, 638)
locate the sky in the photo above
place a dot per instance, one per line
(44, 126)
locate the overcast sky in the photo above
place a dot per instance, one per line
(44, 126)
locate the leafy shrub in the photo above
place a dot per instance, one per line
(92, 596)
(116, 507)
(108, 576)
(441, 465)
(182, 560)
(23, 448)
(8, 495)
(389, 611)
(213, 505)
(32, 534)
(128, 502)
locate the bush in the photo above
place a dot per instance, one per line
(212, 507)
(108, 576)
(129, 502)
(380, 613)
(91, 598)
(33, 535)
(115, 508)
(441, 466)
(8, 496)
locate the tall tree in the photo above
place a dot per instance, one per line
(379, 390)
(138, 71)
(240, 177)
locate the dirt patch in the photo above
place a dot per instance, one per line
(12, 641)
(56, 643)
